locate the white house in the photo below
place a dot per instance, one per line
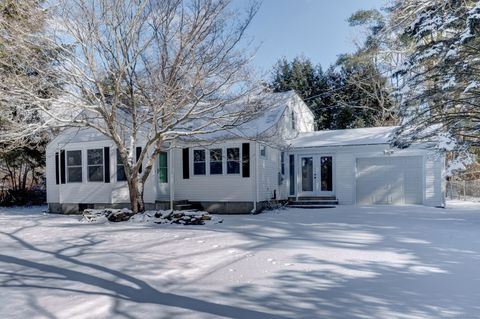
(276, 156)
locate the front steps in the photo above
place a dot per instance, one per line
(313, 202)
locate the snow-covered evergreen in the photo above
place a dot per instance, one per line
(441, 75)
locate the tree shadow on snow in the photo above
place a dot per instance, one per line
(121, 286)
(368, 262)
(411, 262)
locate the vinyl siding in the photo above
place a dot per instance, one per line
(224, 188)
(52, 187)
(268, 169)
(345, 177)
(434, 185)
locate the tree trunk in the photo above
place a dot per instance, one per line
(136, 195)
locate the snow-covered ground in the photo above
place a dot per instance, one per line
(347, 262)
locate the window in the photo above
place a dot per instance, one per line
(282, 163)
(263, 151)
(233, 160)
(163, 167)
(74, 166)
(199, 165)
(293, 120)
(95, 165)
(121, 177)
(216, 161)
(326, 169)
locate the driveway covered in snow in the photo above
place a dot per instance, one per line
(347, 262)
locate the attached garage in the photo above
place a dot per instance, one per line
(389, 180)
(366, 169)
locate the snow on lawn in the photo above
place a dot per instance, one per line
(346, 262)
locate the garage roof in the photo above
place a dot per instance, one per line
(360, 136)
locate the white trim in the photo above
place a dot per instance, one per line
(255, 178)
(171, 187)
(67, 174)
(316, 178)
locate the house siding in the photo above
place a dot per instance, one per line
(268, 169)
(434, 185)
(217, 188)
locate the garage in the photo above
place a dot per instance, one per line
(389, 180)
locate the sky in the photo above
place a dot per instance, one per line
(317, 29)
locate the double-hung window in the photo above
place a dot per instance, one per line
(95, 165)
(199, 164)
(216, 161)
(233, 160)
(74, 166)
(282, 163)
(163, 167)
(121, 176)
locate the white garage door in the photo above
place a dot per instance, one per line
(389, 180)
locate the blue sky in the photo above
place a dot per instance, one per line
(318, 29)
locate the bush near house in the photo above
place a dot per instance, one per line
(21, 197)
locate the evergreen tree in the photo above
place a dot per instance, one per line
(441, 91)
(350, 94)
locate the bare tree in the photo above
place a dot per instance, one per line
(146, 72)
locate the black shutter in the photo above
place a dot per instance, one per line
(186, 163)
(57, 169)
(139, 151)
(292, 174)
(106, 160)
(246, 160)
(62, 167)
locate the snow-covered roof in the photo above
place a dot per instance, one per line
(359, 136)
(273, 107)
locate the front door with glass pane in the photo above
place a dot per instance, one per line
(316, 175)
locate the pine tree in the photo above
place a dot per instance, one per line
(441, 91)
(350, 94)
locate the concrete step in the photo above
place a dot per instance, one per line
(320, 198)
(317, 201)
(331, 203)
(310, 206)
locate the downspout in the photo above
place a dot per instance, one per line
(255, 181)
(172, 177)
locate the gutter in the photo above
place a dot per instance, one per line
(325, 146)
